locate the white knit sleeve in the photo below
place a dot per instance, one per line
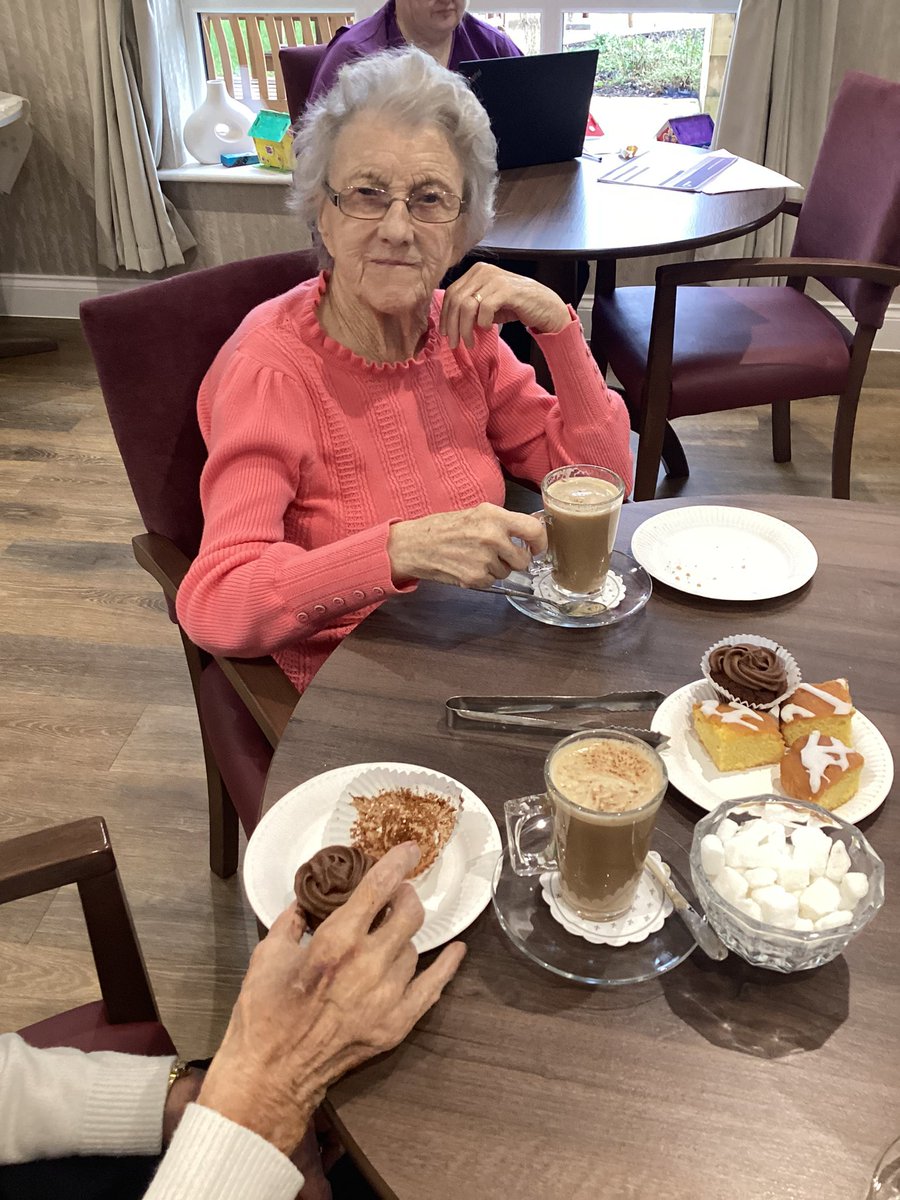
(212, 1158)
(61, 1101)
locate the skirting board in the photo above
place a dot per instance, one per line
(60, 295)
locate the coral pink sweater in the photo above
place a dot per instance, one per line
(314, 452)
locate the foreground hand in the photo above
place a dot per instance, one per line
(306, 1014)
(471, 547)
(487, 295)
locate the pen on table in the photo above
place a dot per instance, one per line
(595, 157)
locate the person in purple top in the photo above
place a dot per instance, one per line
(442, 28)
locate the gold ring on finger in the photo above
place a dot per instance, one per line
(477, 297)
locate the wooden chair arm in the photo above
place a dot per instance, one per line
(161, 558)
(80, 852)
(675, 274)
(50, 858)
(267, 693)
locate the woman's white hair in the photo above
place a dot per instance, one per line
(413, 90)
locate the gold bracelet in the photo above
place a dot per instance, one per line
(179, 1070)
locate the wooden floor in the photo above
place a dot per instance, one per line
(96, 714)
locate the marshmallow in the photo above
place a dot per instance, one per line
(730, 884)
(833, 920)
(754, 831)
(776, 836)
(838, 862)
(761, 876)
(778, 907)
(811, 848)
(819, 899)
(749, 907)
(793, 876)
(854, 886)
(712, 854)
(803, 925)
(726, 829)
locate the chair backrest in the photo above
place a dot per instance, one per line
(852, 205)
(298, 67)
(152, 347)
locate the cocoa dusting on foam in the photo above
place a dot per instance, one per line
(398, 815)
(754, 674)
(605, 775)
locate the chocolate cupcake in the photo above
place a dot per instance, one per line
(328, 881)
(751, 670)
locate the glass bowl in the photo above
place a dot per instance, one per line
(765, 945)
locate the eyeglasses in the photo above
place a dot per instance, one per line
(427, 204)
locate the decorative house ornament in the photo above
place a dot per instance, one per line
(271, 133)
(219, 126)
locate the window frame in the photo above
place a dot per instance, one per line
(552, 14)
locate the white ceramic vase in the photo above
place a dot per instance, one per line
(219, 126)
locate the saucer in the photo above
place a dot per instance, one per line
(627, 589)
(525, 918)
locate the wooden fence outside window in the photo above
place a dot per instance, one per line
(242, 49)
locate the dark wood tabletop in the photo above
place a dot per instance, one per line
(561, 211)
(717, 1081)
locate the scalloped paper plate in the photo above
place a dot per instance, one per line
(724, 553)
(693, 772)
(454, 891)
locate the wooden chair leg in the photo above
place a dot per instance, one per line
(650, 447)
(845, 421)
(781, 431)
(673, 456)
(223, 818)
(223, 821)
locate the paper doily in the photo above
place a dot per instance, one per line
(647, 914)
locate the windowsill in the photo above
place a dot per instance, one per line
(198, 173)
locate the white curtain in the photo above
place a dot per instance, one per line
(775, 100)
(137, 227)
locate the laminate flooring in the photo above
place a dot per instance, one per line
(96, 712)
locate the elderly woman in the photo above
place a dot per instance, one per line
(358, 426)
(442, 28)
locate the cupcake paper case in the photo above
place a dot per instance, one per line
(792, 677)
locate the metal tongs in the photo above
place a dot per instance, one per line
(626, 712)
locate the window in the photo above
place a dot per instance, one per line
(242, 47)
(664, 58)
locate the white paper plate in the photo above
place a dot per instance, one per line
(693, 772)
(453, 892)
(724, 553)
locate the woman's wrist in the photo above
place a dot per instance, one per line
(183, 1091)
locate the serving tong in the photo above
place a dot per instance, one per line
(624, 712)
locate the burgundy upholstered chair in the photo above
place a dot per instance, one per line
(298, 68)
(152, 347)
(732, 347)
(126, 1019)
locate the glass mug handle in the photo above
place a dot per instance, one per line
(524, 818)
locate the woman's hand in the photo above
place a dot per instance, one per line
(306, 1014)
(471, 547)
(487, 295)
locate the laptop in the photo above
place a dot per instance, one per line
(538, 105)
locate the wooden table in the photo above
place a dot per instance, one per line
(560, 213)
(716, 1082)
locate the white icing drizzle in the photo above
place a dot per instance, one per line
(841, 707)
(794, 710)
(816, 759)
(737, 716)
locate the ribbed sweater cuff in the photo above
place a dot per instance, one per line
(212, 1158)
(567, 348)
(355, 570)
(123, 1107)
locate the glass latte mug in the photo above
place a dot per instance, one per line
(582, 504)
(604, 789)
